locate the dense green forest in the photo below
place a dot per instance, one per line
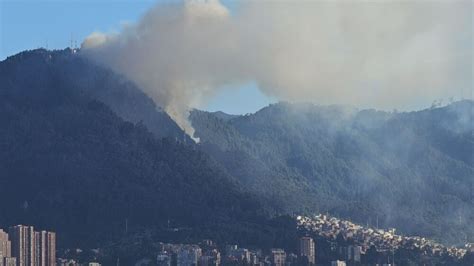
(32, 73)
(408, 170)
(68, 163)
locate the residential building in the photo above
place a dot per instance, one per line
(32, 248)
(241, 254)
(7, 261)
(50, 249)
(205, 261)
(188, 255)
(40, 248)
(23, 245)
(5, 245)
(6, 258)
(254, 259)
(163, 259)
(45, 248)
(211, 258)
(65, 262)
(278, 257)
(307, 249)
(338, 263)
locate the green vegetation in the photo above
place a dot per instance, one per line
(68, 163)
(83, 150)
(412, 171)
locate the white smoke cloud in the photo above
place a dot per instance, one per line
(95, 40)
(386, 54)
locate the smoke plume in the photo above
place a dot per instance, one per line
(385, 54)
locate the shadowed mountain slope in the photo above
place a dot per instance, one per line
(68, 162)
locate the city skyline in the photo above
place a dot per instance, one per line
(23, 246)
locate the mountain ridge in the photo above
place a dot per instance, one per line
(410, 170)
(338, 159)
(71, 164)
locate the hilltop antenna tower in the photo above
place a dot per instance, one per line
(73, 42)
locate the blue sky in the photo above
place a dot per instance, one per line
(30, 24)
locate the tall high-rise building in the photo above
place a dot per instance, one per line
(307, 249)
(23, 245)
(40, 248)
(50, 249)
(32, 248)
(45, 248)
(5, 245)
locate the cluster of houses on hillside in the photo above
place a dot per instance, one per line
(366, 237)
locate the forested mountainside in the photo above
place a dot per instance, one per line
(72, 128)
(31, 73)
(410, 170)
(69, 163)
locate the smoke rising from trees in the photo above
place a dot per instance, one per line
(387, 54)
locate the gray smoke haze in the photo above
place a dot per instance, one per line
(385, 54)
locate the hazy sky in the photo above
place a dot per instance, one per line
(29, 24)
